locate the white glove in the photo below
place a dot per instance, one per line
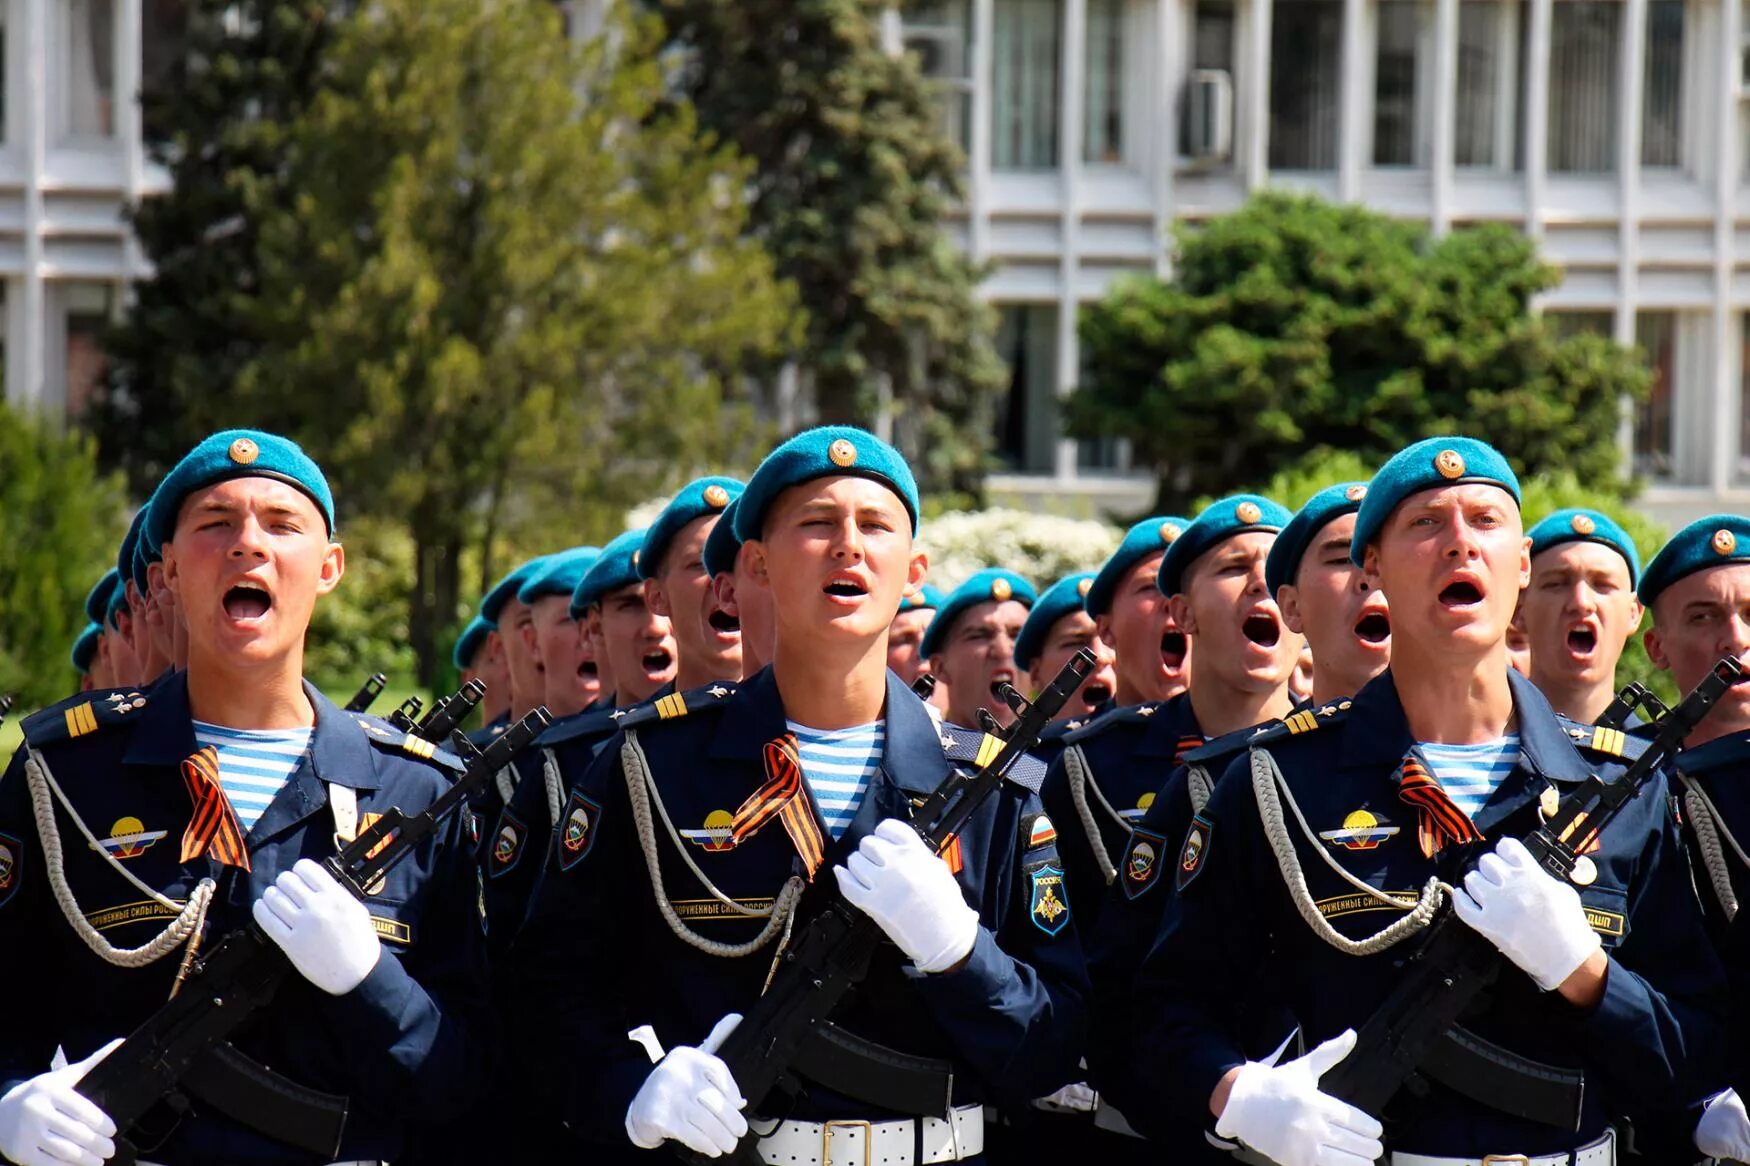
(45, 1122)
(900, 883)
(1279, 1111)
(1724, 1131)
(322, 928)
(692, 1098)
(1535, 919)
(1079, 1097)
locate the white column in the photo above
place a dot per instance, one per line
(1168, 81)
(130, 130)
(1072, 99)
(978, 177)
(1725, 405)
(1256, 122)
(27, 329)
(1630, 83)
(1445, 113)
(1536, 114)
(1353, 133)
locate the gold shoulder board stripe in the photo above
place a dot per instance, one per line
(1611, 741)
(418, 746)
(671, 706)
(81, 720)
(1302, 721)
(988, 748)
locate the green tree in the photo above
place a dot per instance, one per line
(511, 288)
(1295, 324)
(61, 521)
(249, 68)
(853, 180)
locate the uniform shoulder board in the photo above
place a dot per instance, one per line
(676, 705)
(1306, 719)
(1130, 714)
(1228, 744)
(972, 748)
(589, 722)
(81, 715)
(392, 740)
(1603, 739)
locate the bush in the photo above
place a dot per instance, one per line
(1044, 548)
(61, 522)
(361, 626)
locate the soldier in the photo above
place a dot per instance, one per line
(1326, 598)
(85, 654)
(211, 800)
(1580, 609)
(154, 633)
(737, 597)
(478, 656)
(509, 617)
(1446, 756)
(1055, 630)
(983, 971)
(677, 588)
(97, 613)
(565, 655)
(124, 664)
(1153, 654)
(970, 643)
(635, 643)
(905, 640)
(163, 616)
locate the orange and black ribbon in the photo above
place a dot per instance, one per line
(784, 797)
(1186, 743)
(213, 828)
(1438, 818)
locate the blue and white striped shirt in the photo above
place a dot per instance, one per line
(254, 764)
(839, 764)
(1470, 774)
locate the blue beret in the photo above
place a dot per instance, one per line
(1148, 537)
(616, 567)
(1058, 600)
(124, 559)
(697, 499)
(1577, 524)
(1232, 516)
(1328, 505)
(469, 643)
(722, 545)
(827, 452)
(559, 574)
(506, 588)
(236, 453)
(118, 603)
(1707, 542)
(97, 599)
(85, 647)
(1430, 464)
(143, 558)
(929, 597)
(990, 583)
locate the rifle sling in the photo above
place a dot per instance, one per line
(271, 1105)
(1503, 1080)
(873, 1073)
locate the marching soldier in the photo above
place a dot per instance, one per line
(1055, 630)
(635, 643)
(510, 617)
(970, 643)
(678, 588)
(209, 801)
(1326, 597)
(825, 754)
(905, 640)
(85, 655)
(479, 656)
(748, 606)
(1153, 654)
(572, 680)
(1580, 609)
(1314, 849)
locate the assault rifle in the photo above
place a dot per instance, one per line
(182, 1051)
(447, 715)
(367, 693)
(788, 1033)
(1417, 1031)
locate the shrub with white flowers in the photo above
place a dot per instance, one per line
(1042, 547)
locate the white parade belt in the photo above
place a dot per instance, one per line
(880, 1143)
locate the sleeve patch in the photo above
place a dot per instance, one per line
(11, 867)
(1038, 831)
(1141, 867)
(1050, 900)
(578, 829)
(1195, 852)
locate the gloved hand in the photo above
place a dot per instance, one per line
(1724, 1131)
(1079, 1097)
(1535, 919)
(690, 1097)
(44, 1122)
(1279, 1111)
(896, 880)
(322, 928)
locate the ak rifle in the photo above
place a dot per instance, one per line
(1417, 1033)
(182, 1051)
(789, 1034)
(367, 694)
(447, 715)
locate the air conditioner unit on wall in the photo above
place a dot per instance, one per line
(1209, 115)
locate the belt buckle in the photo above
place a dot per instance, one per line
(826, 1132)
(1504, 1159)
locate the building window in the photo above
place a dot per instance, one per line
(1305, 78)
(1025, 84)
(1403, 91)
(88, 81)
(1491, 79)
(1566, 324)
(1206, 107)
(1655, 434)
(1026, 424)
(89, 309)
(1583, 71)
(1103, 115)
(940, 33)
(1662, 111)
(163, 40)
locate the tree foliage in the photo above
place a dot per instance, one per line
(510, 269)
(61, 520)
(853, 180)
(1294, 325)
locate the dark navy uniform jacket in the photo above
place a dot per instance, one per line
(1721, 768)
(595, 959)
(406, 1044)
(1233, 914)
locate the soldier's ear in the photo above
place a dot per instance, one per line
(1288, 601)
(758, 565)
(655, 599)
(1179, 607)
(915, 572)
(333, 567)
(1524, 564)
(1655, 645)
